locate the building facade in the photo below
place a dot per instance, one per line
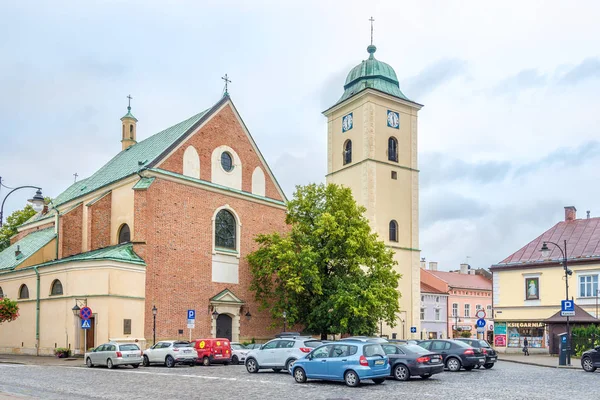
(372, 149)
(529, 287)
(433, 313)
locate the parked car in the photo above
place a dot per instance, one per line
(278, 354)
(213, 351)
(288, 334)
(114, 354)
(170, 353)
(347, 361)
(238, 353)
(372, 339)
(411, 360)
(486, 349)
(403, 341)
(455, 354)
(253, 346)
(590, 360)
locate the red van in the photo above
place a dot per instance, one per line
(213, 351)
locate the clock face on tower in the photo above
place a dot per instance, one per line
(347, 122)
(393, 119)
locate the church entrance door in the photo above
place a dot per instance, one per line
(224, 324)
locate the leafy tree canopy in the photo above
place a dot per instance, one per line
(329, 273)
(14, 220)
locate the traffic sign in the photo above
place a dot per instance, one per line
(86, 324)
(567, 308)
(413, 329)
(191, 325)
(481, 323)
(480, 313)
(191, 314)
(480, 329)
(85, 313)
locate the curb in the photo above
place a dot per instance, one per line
(539, 365)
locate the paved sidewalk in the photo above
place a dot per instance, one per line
(541, 360)
(41, 360)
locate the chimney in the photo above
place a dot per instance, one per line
(464, 269)
(423, 263)
(433, 265)
(570, 213)
(588, 214)
(18, 254)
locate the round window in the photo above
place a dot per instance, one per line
(226, 161)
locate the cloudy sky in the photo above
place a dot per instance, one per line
(509, 134)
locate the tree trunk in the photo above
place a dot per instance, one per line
(323, 336)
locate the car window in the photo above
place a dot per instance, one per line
(110, 347)
(313, 343)
(483, 343)
(462, 344)
(271, 345)
(343, 350)
(402, 352)
(100, 348)
(165, 345)
(415, 349)
(389, 349)
(238, 347)
(182, 344)
(425, 345)
(437, 346)
(371, 350)
(128, 347)
(321, 352)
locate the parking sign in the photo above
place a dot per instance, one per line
(191, 314)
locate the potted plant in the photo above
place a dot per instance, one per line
(62, 352)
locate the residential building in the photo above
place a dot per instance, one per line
(529, 287)
(433, 313)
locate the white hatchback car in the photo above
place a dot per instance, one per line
(170, 353)
(114, 354)
(238, 353)
(279, 354)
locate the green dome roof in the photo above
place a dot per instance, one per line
(129, 115)
(372, 73)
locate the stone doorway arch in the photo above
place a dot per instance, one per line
(224, 326)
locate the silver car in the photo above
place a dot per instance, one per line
(114, 354)
(238, 353)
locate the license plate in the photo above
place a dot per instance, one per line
(187, 351)
(493, 359)
(132, 355)
(379, 362)
(481, 361)
(218, 355)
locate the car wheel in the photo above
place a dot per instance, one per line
(109, 364)
(488, 366)
(299, 375)
(379, 381)
(206, 361)
(425, 376)
(88, 362)
(135, 365)
(251, 366)
(169, 362)
(453, 365)
(477, 366)
(146, 361)
(289, 364)
(587, 364)
(351, 379)
(235, 360)
(469, 368)
(401, 372)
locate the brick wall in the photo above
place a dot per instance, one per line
(99, 215)
(26, 232)
(222, 129)
(175, 222)
(70, 232)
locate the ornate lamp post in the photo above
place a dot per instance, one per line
(154, 311)
(36, 201)
(546, 253)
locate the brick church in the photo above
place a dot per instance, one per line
(162, 228)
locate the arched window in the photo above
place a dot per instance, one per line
(393, 231)
(56, 288)
(124, 234)
(347, 152)
(131, 131)
(393, 149)
(23, 292)
(225, 230)
(123, 131)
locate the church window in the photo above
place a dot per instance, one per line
(225, 230)
(394, 175)
(124, 234)
(131, 131)
(57, 288)
(226, 161)
(347, 152)
(23, 292)
(393, 149)
(123, 131)
(393, 231)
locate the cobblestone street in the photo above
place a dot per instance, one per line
(504, 381)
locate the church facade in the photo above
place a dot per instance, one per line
(372, 133)
(162, 228)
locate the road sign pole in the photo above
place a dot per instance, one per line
(84, 341)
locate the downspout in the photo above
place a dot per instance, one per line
(37, 313)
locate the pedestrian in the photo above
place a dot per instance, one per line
(525, 347)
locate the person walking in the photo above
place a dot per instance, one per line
(525, 347)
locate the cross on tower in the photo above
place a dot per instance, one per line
(75, 175)
(129, 102)
(371, 19)
(226, 79)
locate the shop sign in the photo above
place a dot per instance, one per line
(525, 324)
(500, 340)
(462, 327)
(500, 328)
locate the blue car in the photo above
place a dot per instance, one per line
(347, 361)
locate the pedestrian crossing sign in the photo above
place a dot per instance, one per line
(85, 324)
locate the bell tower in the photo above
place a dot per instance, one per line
(372, 149)
(129, 123)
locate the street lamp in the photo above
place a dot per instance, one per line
(248, 315)
(215, 314)
(36, 201)
(154, 311)
(284, 321)
(456, 327)
(76, 310)
(546, 253)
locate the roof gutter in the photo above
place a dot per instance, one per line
(37, 313)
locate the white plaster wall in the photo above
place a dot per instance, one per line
(258, 182)
(191, 163)
(219, 176)
(225, 268)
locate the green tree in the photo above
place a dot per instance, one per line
(9, 310)
(329, 273)
(15, 219)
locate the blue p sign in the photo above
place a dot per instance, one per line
(191, 314)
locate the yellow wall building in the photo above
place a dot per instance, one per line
(372, 149)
